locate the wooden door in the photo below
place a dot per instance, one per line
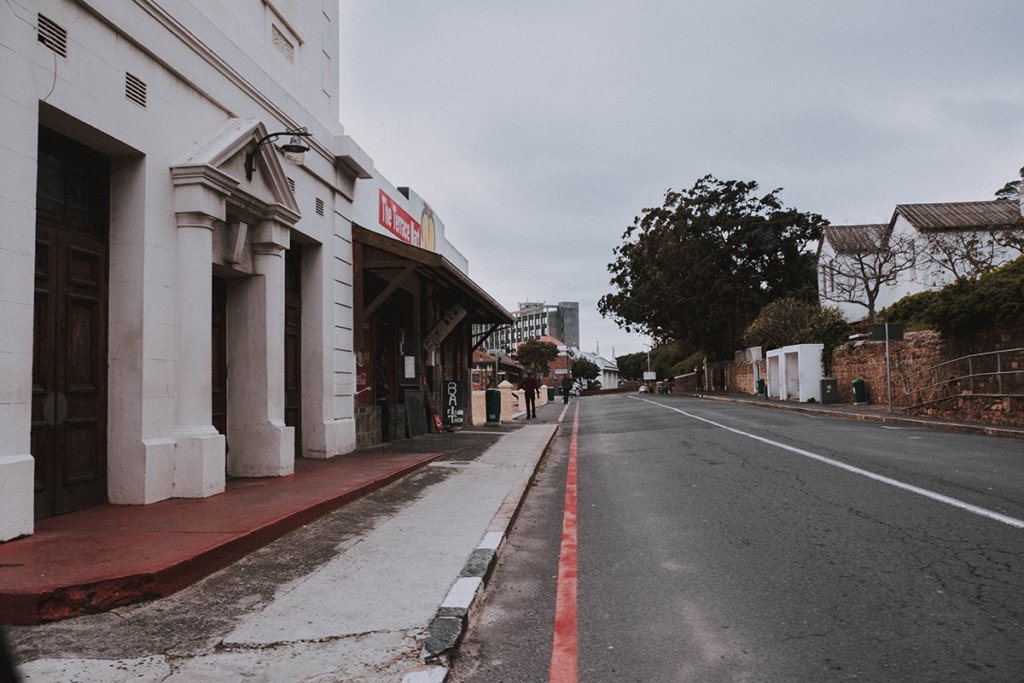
(69, 373)
(293, 342)
(69, 351)
(219, 357)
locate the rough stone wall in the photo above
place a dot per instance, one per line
(866, 360)
(689, 383)
(368, 431)
(740, 378)
(939, 392)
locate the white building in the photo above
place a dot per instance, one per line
(936, 239)
(172, 313)
(534, 320)
(609, 377)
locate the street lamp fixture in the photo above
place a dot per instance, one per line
(296, 148)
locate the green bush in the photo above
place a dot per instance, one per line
(826, 327)
(687, 365)
(911, 310)
(995, 299)
(779, 323)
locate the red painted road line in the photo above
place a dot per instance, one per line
(564, 650)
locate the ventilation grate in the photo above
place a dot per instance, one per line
(319, 207)
(135, 90)
(283, 45)
(53, 36)
(291, 184)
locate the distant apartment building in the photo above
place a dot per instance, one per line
(533, 321)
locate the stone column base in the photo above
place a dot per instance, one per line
(266, 450)
(17, 488)
(198, 462)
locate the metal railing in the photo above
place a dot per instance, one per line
(978, 371)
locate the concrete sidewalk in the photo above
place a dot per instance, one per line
(104, 557)
(377, 591)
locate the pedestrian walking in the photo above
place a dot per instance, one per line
(566, 387)
(531, 388)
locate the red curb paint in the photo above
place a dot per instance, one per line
(564, 666)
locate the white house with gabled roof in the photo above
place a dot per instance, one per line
(938, 242)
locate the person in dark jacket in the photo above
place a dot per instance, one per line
(566, 388)
(531, 388)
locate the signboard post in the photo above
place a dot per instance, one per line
(495, 352)
(889, 332)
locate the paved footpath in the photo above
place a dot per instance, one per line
(377, 591)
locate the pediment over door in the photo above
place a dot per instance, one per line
(211, 182)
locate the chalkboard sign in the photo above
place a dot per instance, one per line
(415, 412)
(453, 402)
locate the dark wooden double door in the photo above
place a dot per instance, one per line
(69, 363)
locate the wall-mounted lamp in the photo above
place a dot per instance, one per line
(296, 146)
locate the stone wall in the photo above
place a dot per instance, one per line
(368, 432)
(866, 360)
(689, 383)
(921, 388)
(741, 378)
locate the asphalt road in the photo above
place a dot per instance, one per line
(722, 542)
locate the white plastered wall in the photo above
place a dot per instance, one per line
(86, 100)
(24, 85)
(795, 372)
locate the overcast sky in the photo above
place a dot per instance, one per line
(538, 129)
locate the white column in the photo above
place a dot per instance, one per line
(199, 449)
(261, 444)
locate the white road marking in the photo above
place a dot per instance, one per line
(1005, 519)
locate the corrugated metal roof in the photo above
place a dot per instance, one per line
(960, 215)
(855, 239)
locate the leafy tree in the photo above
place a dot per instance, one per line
(584, 371)
(779, 323)
(827, 327)
(536, 355)
(857, 277)
(632, 366)
(701, 266)
(1010, 190)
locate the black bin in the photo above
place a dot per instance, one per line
(829, 390)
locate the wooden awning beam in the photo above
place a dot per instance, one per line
(484, 338)
(388, 291)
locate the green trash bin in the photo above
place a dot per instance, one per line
(493, 403)
(551, 393)
(761, 387)
(859, 392)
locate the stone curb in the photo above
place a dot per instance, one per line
(962, 427)
(449, 624)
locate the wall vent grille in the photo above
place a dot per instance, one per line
(291, 184)
(53, 36)
(135, 90)
(283, 45)
(319, 207)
